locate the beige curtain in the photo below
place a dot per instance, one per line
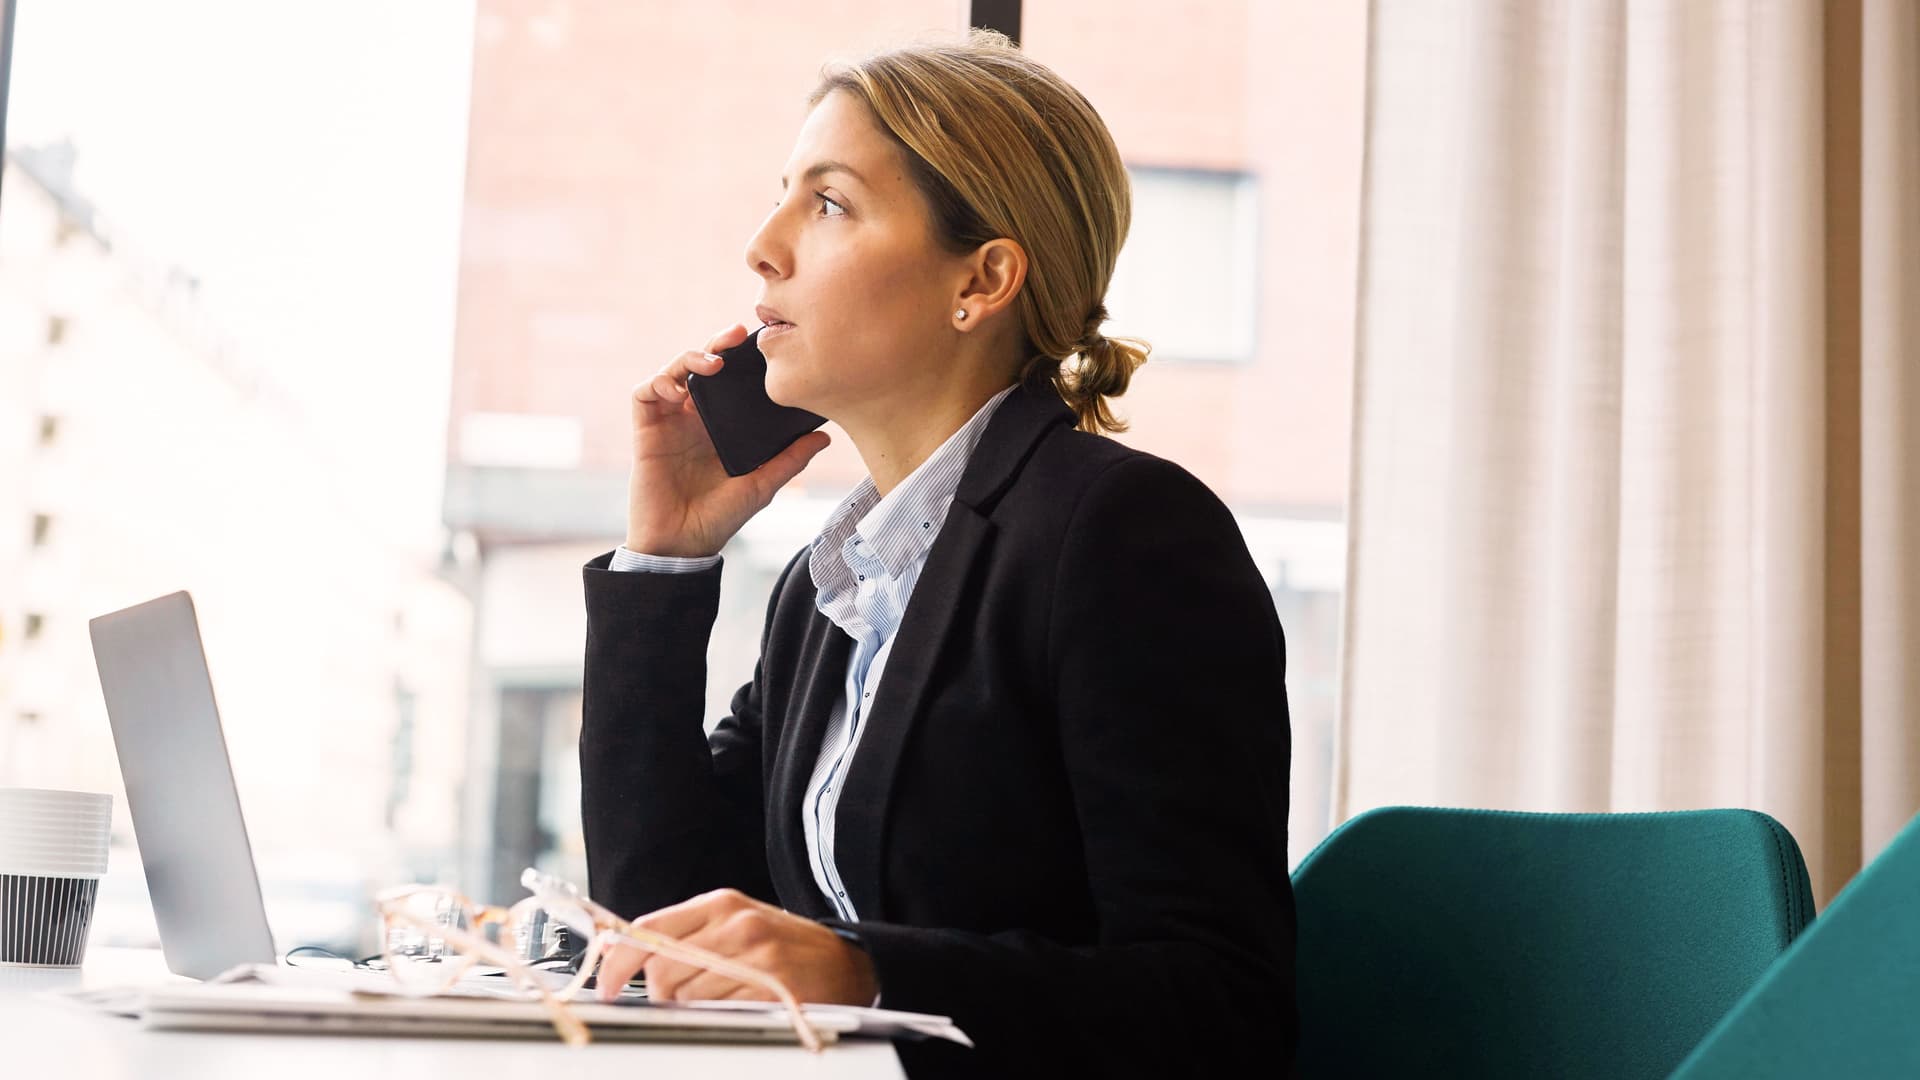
(1635, 509)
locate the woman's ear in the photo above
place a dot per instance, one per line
(999, 270)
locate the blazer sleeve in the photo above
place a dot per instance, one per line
(1168, 668)
(667, 810)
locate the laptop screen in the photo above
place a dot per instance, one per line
(180, 791)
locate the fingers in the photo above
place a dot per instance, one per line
(618, 965)
(707, 986)
(739, 936)
(743, 992)
(680, 921)
(789, 463)
(669, 387)
(667, 978)
(756, 949)
(666, 389)
(686, 918)
(728, 338)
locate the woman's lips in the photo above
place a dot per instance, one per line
(774, 329)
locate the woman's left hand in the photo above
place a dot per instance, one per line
(814, 962)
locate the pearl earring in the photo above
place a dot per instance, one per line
(961, 314)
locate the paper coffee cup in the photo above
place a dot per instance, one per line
(53, 852)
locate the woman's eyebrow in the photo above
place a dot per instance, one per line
(822, 168)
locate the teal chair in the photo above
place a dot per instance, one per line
(1845, 1000)
(1486, 944)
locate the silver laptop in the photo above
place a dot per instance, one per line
(186, 813)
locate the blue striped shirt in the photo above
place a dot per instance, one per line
(864, 565)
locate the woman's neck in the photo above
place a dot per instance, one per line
(898, 439)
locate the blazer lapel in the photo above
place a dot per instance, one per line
(860, 836)
(827, 650)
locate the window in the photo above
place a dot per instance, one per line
(1243, 144)
(400, 748)
(444, 328)
(1186, 279)
(437, 334)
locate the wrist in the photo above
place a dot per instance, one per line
(865, 989)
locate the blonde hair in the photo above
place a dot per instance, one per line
(1001, 146)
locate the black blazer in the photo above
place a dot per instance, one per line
(1066, 824)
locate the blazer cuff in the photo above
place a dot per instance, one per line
(627, 609)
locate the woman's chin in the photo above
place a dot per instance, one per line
(782, 385)
(781, 393)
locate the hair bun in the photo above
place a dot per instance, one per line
(1090, 335)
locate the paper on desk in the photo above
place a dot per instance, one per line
(481, 982)
(879, 1023)
(845, 1019)
(253, 1007)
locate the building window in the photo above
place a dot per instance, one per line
(1187, 275)
(49, 430)
(400, 750)
(56, 329)
(36, 622)
(42, 528)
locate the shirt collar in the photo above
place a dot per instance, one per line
(896, 530)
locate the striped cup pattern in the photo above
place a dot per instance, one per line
(44, 920)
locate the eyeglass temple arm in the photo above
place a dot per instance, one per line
(570, 1027)
(547, 886)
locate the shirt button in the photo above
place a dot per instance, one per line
(843, 896)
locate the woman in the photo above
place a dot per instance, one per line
(1016, 747)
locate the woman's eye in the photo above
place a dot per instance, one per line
(830, 202)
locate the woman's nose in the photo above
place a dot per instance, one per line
(767, 251)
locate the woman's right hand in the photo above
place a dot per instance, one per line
(680, 500)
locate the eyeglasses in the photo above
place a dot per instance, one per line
(432, 937)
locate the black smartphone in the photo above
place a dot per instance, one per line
(747, 427)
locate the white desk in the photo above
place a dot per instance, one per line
(43, 1036)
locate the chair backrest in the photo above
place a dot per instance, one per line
(1842, 1001)
(1493, 944)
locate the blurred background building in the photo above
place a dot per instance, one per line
(141, 454)
(391, 607)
